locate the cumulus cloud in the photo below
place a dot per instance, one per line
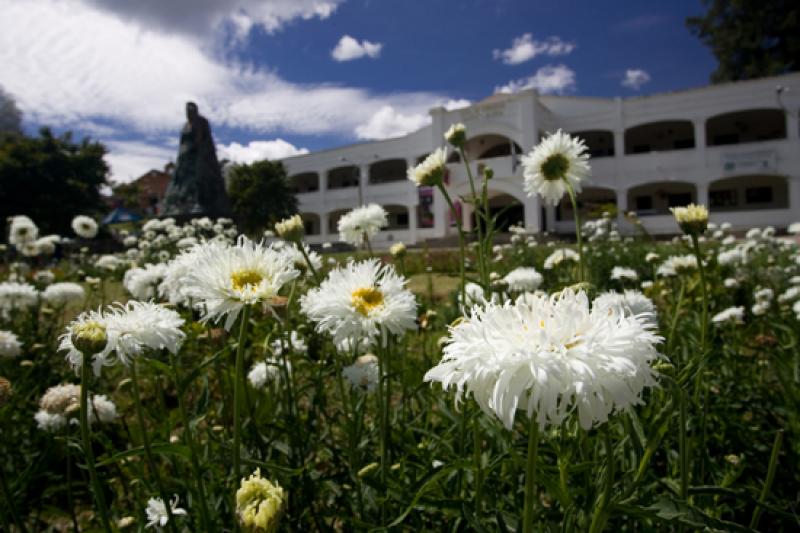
(201, 19)
(130, 159)
(525, 48)
(138, 81)
(349, 48)
(387, 122)
(258, 151)
(635, 78)
(550, 79)
(452, 105)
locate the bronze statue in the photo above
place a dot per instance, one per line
(197, 187)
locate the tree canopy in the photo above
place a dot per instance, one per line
(750, 38)
(51, 179)
(260, 195)
(10, 115)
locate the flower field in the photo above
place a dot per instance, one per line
(204, 381)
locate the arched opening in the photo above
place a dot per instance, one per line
(491, 145)
(659, 137)
(509, 211)
(745, 193)
(311, 223)
(304, 182)
(343, 177)
(397, 215)
(752, 125)
(333, 219)
(656, 198)
(387, 171)
(600, 143)
(592, 202)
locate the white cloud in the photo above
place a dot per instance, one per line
(550, 79)
(388, 122)
(349, 48)
(452, 105)
(258, 151)
(204, 18)
(130, 159)
(635, 78)
(525, 48)
(67, 63)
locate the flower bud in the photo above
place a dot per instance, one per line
(456, 135)
(291, 229)
(89, 337)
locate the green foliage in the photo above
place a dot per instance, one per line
(51, 179)
(10, 115)
(260, 196)
(128, 195)
(750, 38)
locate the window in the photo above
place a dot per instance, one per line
(644, 203)
(723, 198)
(758, 195)
(679, 199)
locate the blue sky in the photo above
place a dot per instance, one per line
(280, 77)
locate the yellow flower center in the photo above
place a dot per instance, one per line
(555, 167)
(246, 280)
(366, 299)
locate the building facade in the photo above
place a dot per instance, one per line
(734, 147)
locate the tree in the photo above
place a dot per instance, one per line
(51, 179)
(750, 38)
(260, 195)
(10, 115)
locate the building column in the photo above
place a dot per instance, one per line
(363, 183)
(550, 214)
(532, 207)
(439, 213)
(699, 133)
(622, 205)
(323, 186)
(702, 194)
(619, 143)
(412, 222)
(792, 125)
(466, 216)
(323, 226)
(794, 193)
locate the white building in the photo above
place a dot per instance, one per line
(731, 147)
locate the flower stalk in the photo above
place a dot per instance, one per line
(530, 475)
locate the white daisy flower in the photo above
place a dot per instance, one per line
(549, 356)
(632, 302)
(174, 286)
(363, 373)
(45, 277)
(157, 511)
(108, 262)
(731, 314)
(796, 309)
(102, 409)
(429, 172)
(523, 279)
(730, 283)
(794, 228)
(559, 256)
(360, 222)
(621, 273)
(47, 244)
(143, 283)
(10, 346)
(791, 294)
(65, 293)
(22, 230)
(15, 296)
(265, 372)
(225, 279)
(557, 160)
(359, 300)
(137, 326)
(50, 422)
(677, 264)
(84, 227)
(298, 344)
(299, 261)
(732, 257)
(130, 241)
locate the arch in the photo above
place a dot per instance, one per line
(492, 127)
(599, 142)
(398, 217)
(304, 182)
(656, 198)
(592, 202)
(745, 193)
(311, 223)
(508, 209)
(343, 177)
(659, 136)
(387, 170)
(750, 125)
(489, 145)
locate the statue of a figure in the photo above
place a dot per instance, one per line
(197, 187)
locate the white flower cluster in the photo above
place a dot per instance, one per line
(523, 279)
(554, 163)
(559, 256)
(63, 294)
(10, 345)
(362, 222)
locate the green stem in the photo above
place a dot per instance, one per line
(704, 288)
(70, 495)
(368, 245)
(579, 238)
(237, 392)
(383, 400)
(476, 457)
(773, 465)
(675, 316)
(460, 242)
(86, 437)
(314, 272)
(148, 452)
(530, 475)
(479, 229)
(601, 510)
(683, 444)
(12, 509)
(188, 438)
